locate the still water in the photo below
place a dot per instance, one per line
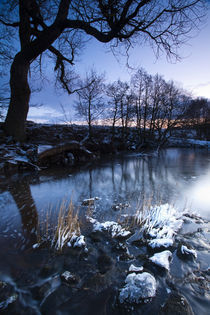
(176, 176)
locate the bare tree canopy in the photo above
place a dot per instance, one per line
(58, 27)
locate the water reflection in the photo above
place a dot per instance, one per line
(199, 194)
(21, 194)
(175, 176)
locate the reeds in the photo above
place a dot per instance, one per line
(58, 230)
(68, 226)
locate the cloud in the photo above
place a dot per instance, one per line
(45, 115)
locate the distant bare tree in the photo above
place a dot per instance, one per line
(113, 108)
(90, 103)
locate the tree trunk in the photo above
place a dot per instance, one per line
(20, 96)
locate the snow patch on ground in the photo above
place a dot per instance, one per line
(139, 288)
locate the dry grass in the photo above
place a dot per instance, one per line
(59, 226)
(67, 227)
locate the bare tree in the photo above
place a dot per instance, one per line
(113, 108)
(90, 103)
(55, 27)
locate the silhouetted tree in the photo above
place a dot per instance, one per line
(90, 104)
(55, 26)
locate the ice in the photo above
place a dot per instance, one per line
(186, 250)
(161, 242)
(162, 259)
(139, 287)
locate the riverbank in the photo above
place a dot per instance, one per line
(69, 145)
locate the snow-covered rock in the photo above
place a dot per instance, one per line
(139, 288)
(90, 201)
(114, 228)
(160, 242)
(187, 251)
(68, 277)
(162, 259)
(135, 269)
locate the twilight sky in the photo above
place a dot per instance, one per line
(192, 72)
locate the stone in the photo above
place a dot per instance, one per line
(176, 305)
(139, 288)
(69, 278)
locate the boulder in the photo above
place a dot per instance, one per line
(139, 288)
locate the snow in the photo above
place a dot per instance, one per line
(63, 236)
(161, 223)
(133, 268)
(76, 241)
(138, 288)
(114, 228)
(161, 242)
(68, 276)
(36, 245)
(187, 251)
(80, 241)
(162, 259)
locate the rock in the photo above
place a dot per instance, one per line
(88, 202)
(135, 269)
(112, 227)
(176, 305)
(139, 288)
(162, 259)
(58, 297)
(160, 243)
(120, 206)
(185, 252)
(125, 256)
(8, 295)
(70, 158)
(104, 262)
(69, 278)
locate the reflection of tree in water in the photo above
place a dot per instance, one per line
(21, 194)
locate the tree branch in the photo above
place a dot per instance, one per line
(15, 24)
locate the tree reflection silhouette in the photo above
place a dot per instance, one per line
(22, 196)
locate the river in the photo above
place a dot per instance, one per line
(123, 184)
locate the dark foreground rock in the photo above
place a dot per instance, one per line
(176, 305)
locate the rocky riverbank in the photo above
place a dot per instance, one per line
(68, 145)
